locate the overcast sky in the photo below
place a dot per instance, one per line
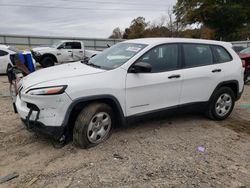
(76, 18)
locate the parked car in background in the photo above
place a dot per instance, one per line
(5, 52)
(129, 80)
(245, 51)
(61, 52)
(237, 49)
(245, 56)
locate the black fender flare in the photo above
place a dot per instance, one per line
(224, 83)
(93, 98)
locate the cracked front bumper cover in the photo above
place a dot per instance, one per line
(50, 131)
(36, 126)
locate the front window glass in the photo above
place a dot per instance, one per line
(116, 55)
(55, 45)
(162, 58)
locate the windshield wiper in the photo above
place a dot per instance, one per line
(93, 65)
(87, 62)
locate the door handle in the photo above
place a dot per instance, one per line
(69, 51)
(81, 51)
(216, 70)
(174, 76)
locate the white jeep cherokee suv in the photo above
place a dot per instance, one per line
(131, 79)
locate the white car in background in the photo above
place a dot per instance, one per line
(5, 52)
(64, 51)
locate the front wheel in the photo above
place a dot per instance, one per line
(222, 104)
(47, 62)
(93, 125)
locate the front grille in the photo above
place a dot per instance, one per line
(35, 55)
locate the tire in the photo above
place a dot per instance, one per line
(221, 104)
(246, 78)
(47, 62)
(93, 125)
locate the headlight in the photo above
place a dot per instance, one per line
(52, 90)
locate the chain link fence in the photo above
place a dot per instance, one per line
(32, 41)
(90, 43)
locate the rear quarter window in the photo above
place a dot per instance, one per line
(222, 55)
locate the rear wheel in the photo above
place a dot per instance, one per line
(222, 104)
(93, 125)
(246, 78)
(47, 62)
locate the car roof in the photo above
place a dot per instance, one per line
(156, 41)
(71, 41)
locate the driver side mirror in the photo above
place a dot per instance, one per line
(140, 67)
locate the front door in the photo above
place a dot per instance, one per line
(158, 89)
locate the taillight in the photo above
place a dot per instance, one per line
(244, 63)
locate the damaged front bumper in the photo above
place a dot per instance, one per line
(44, 114)
(54, 132)
(37, 56)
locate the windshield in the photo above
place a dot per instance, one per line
(116, 55)
(245, 51)
(13, 49)
(55, 45)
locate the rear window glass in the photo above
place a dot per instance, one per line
(3, 53)
(222, 54)
(197, 55)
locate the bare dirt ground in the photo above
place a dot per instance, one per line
(154, 153)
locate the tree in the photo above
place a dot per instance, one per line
(137, 28)
(224, 17)
(116, 34)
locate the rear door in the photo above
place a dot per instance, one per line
(4, 59)
(200, 73)
(78, 51)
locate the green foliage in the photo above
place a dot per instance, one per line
(139, 28)
(225, 17)
(136, 29)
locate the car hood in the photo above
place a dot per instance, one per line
(37, 49)
(58, 72)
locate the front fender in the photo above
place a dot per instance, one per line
(94, 98)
